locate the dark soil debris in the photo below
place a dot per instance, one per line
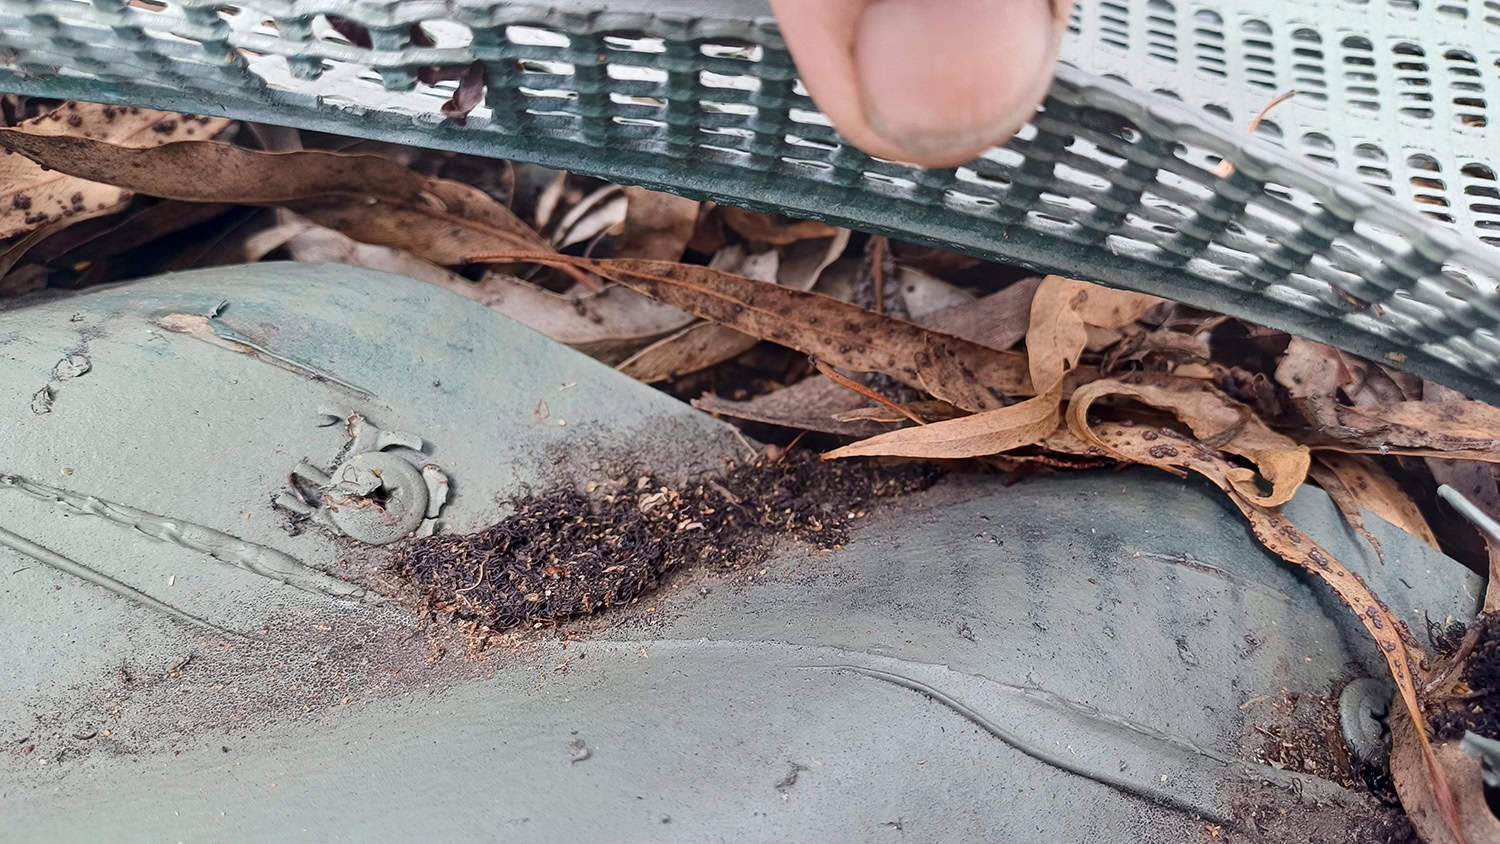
(1476, 705)
(564, 553)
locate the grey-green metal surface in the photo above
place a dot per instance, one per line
(1058, 660)
(1356, 216)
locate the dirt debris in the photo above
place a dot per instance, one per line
(567, 553)
(1476, 704)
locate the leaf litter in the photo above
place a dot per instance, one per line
(882, 349)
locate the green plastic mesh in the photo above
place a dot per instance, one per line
(1357, 215)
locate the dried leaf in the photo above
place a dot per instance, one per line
(610, 324)
(836, 332)
(999, 320)
(367, 197)
(777, 231)
(658, 225)
(1054, 341)
(1311, 369)
(812, 404)
(1414, 787)
(1056, 336)
(469, 95)
(1370, 488)
(706, 343)
(1212, 416)
(316, 244)
(1478, 483)
(1462, 430)
(1403, 656)
(990, 432)
(31, 196)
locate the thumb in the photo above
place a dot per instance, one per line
(931, 82)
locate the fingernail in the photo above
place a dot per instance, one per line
(946, 78)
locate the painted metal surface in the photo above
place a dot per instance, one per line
(1076, 658)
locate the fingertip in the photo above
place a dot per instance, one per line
(942, 81)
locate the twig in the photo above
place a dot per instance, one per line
(789, 446)
(878, 246)
(1226, 169)
(849, 384)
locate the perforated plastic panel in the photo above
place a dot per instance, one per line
(1110, 182)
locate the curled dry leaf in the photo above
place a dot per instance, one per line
(777, 231)
(812, 404)
(1174, 452)
(610, 324)
(1414, 787)
(31, 197)
(706, 343)
(1367, 487)
(367, 197)
(658, 225)
(1061, 312)
(1462, 430)
(835, 332)
(1311, 370)
(816, 404)
(1214, 418)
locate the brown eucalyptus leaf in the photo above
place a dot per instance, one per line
(1312, 369)
(658, 225)
(976, 435)
(706, 343)
(1346, 503)
(367, 197)
(1414, 787)
(319, 245)
(610, 324)
(31, 197)
(838, 333)
(1212, 416)
(1463, 430)
(812, 404)
(766, 228)
(1150, 446)
(1056, 336)
(1372, 489)
(998, 320)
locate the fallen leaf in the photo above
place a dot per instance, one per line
(1212, 416)
(706, 343)
(367, 197)
(1054, 341)
(610, 324)
(1141, 444)
(986, 433)
(470, 93)
(777, 231)
(316, 244)
(1414, 787)
(1370, 488)
(816, 404)
(1479, 483)
(812, 404)
(835, 332)
(1463, 430)
(658, 225)
(31, 197)
(1311, 369)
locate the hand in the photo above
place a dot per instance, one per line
(930, 82)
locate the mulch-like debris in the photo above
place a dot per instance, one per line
(1477, 705)
(565, 553)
